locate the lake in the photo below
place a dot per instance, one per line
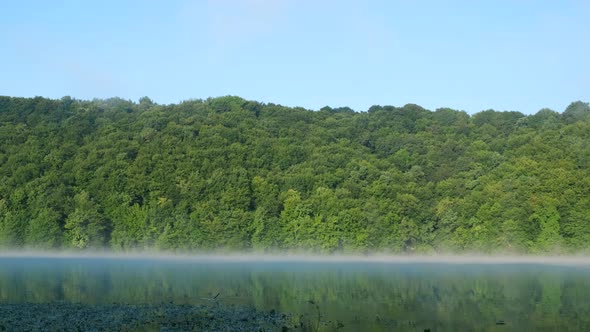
(355, 295)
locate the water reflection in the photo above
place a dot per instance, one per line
(369, 296)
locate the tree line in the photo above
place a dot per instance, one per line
(228, 173)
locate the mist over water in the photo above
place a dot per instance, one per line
(227, 257)
(370, 293)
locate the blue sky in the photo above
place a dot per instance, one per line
(469, 55)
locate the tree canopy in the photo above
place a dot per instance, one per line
(228, 173)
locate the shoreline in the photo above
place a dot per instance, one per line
(311, 258)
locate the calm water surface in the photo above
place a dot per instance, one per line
(362, 296)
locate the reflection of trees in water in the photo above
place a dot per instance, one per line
(440, 297)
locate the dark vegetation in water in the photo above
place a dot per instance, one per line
(63, 316)
(237, 174)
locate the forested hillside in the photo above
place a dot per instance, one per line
(236, 174)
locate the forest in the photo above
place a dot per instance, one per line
(232, 174)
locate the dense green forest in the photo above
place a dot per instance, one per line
(227, 173)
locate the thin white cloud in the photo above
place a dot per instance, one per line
(226, 21)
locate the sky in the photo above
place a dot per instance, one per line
(513, 55)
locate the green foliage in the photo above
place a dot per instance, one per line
(44, 230)
(227, 173)
(86, 227)
(549, 235)
(576, 111)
